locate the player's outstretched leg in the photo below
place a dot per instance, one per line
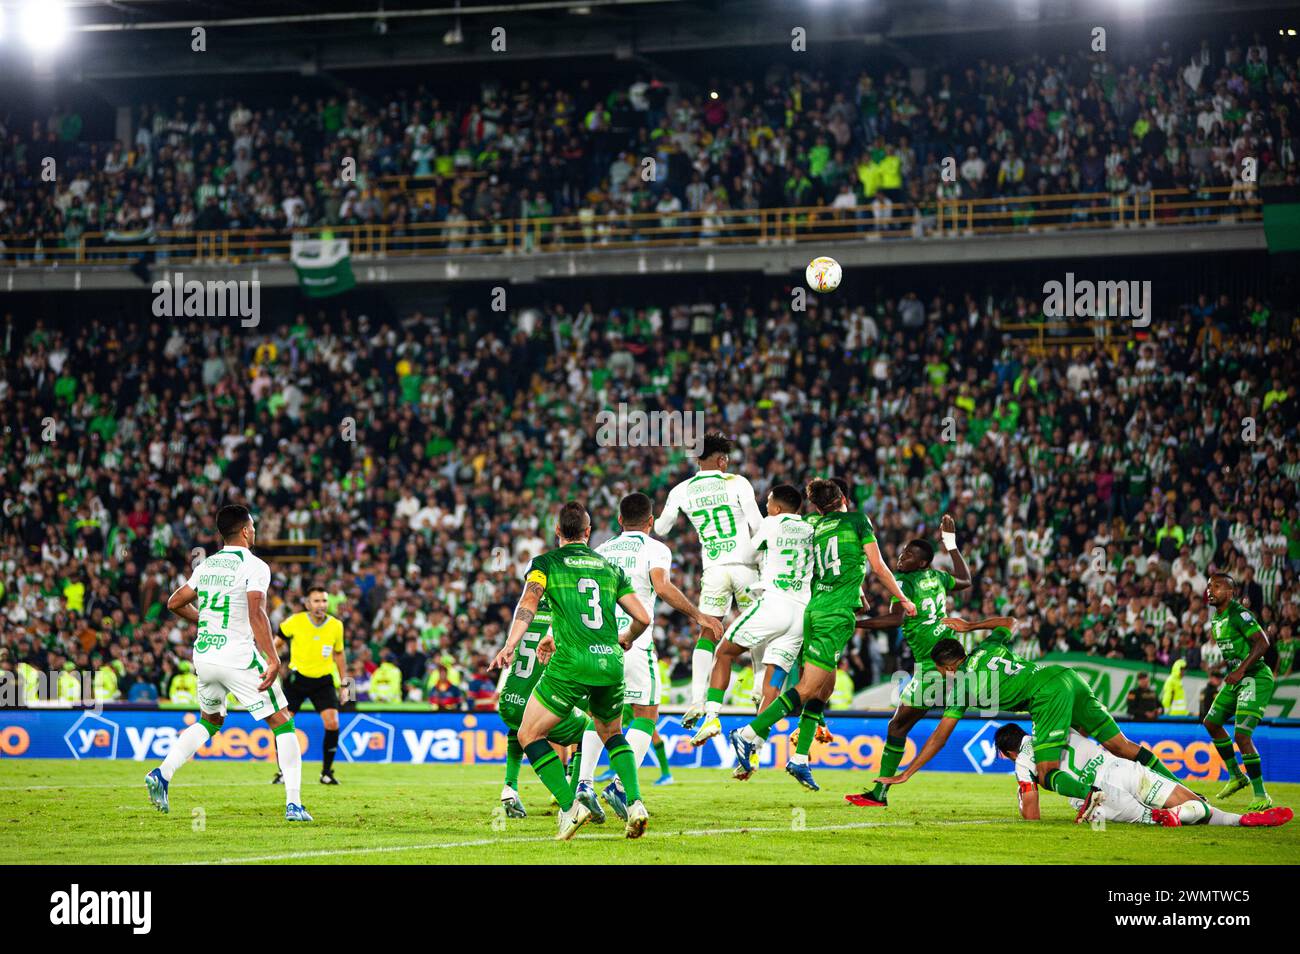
(701, 670)
(510, 791)
(288, 751)
(746, 739)
(1223, 745)
(182, 750)
(798, 767)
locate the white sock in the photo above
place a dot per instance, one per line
(183, 749)
(640, 740)
(701, 671)
(711, 709)
(1194, 812)
(1219, 817)
(289, 752)
(591, 749)
(749, 735)
(798, 759)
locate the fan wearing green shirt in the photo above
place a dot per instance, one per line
(1246, 691)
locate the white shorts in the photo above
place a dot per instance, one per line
(1117, 776)
(641, 675)
(216, 681)
(721, 583)
(1120, 807)
(772, 629)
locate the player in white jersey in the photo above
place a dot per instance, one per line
(225, 597)
(725, 514)
(1122, 791)
(771, 630)
(647, 563)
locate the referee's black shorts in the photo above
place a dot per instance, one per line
(319, 689)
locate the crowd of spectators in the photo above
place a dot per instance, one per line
(1094, 486)
(874, 141)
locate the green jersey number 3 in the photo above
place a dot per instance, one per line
(592, 589)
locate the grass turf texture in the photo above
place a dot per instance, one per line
(67, 812)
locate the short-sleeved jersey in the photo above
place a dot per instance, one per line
(223, 582)
(1233, 628)
(839, 565)
(785, 544)
(312, 647)
(637, 554)
(928, 590)
(1080, 759)
(1013, 681)
(517, 684)
(724, 512)
(583, 589)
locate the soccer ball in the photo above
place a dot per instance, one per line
(824, 274)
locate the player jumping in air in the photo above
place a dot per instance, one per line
(1246, 691)
(586, 670)
(928, 588)
(772, 628)
(725, 514)
(233, 654)
(647, 563)
(843, 544)
(1055, 697)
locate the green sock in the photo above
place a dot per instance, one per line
(1060, 783)
(706, 644)
(550, 770)
(661, 754)
(1152, 761)
(620, 758)
(627, 717)
(889, 761)
(808, 725)
(781, 707)
(715, 695)
(1255, 772)
(1225, 750)
(514, 757)
(573, 770)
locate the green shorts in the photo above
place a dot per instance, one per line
(1064, 702)
(826, 634)
(1244, 703)
(561, 696)
(928, 689)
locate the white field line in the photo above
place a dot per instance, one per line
(484, 842)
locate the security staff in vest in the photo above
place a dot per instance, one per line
(317, 671)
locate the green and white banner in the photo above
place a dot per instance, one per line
(324, 266)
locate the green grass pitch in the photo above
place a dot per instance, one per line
(65, 812)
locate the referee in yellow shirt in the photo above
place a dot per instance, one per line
(317, 670)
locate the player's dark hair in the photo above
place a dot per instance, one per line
(824, 495)
(925, 546)
(947, 650)
(1008, 738)
(1226, 576)
(635, 509)
(573, 520)
(231, 519)
(715, 443)
(788, 496)
(843, 484)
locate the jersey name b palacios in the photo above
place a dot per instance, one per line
(839, 564)
(785, 543)
(223, 582)
(722, 509)
(636, 554)
(583, 589)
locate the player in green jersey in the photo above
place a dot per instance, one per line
(1246, 692)
(586, 669)
(516, 686)
(1056, 698)
(843, 544)
(928, 588)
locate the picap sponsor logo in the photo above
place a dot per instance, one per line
(76, 907)
(622, 427)
(1089, 299)
(174, 297)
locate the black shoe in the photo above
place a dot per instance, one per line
(279, 779)
(327, 778)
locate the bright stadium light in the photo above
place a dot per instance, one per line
(44, 23)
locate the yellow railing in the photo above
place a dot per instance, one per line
(1043, 337)
(589, 232)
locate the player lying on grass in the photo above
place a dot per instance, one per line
(233, 655)
(1246, 691)
(928, 588)
(843, 544)
(586, 671)
(771, 630)
(1056, 698)
(1123, 791)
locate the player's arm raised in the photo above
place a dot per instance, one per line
(182, 603)
(959, 625)
(668, 518)
(961, 578)
(937, 740)
(881, 570)
(261, 624)
(640, 619)
(891, 620)
(667, 591)
(525, 610)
